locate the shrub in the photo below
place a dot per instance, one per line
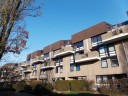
(33, 83)
(41, 90)
(27, 88)
(48, 86)
(116, 86)
(62, 85)
(19, 86)
(88, 84)
(77, 85)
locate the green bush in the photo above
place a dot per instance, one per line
(41, 90)
(73, 85)
(33, 83)
(49, 86)
(19, 86)
(28, 88)
(77, 85)
(62, 85)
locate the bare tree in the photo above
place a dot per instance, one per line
(13, 36)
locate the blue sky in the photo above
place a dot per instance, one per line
(62, 18)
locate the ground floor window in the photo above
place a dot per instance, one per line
(79, 78)
(61, 69)
(104, 78)
(114, 61)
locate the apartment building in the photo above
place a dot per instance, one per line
(31, 67)
(97, 53)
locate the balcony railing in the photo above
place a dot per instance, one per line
(64, 51)
(37, 60)
(43, 76)
(33, 77)
(28, 70)
(90, 56)
(115, 35)
(79, 49)
(47, 67)
(59, 63)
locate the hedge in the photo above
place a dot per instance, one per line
(73, 85)
(61, 85)
(77, 85)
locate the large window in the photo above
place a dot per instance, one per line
(104, 63)
(57, 69)
(46, 55)
(114, 61)
(106, 51)
(111, 50)
(71, 67)
(61, 69)
(59, 60)
(97, 40)
(79, 44)
(103, 51)
(77, 67)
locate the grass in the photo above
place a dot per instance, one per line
(81, 93)
(77, 92)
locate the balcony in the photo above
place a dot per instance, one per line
(63, 51)
(43, 76)
(23, 65)
(47, 67)
(37, 60)
(59, 64)
(33, 77)
(79, 49)
(115, 35)
(88, 57)
(28, 70)
(34, 68)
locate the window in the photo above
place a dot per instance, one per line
(71, 67)
(114, 61)
(56, 69)
(43, 72)
(97, 40)
(61, 59)
(103, 51)
(46, 55)
(34, 66)
(101, 78)
(77, 67)
(98, 79)
(66, 43)
(111, 50)
(79, 44)
(104, 63)
(61, 69)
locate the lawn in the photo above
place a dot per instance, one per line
(82, 93)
